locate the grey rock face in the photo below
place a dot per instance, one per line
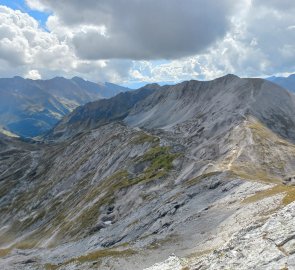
(95, 114)
(192, 175)
(263, 246)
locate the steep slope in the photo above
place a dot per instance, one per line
(31, 107)
(127, 194)
(97, 113)
(220, 103)
(285, 82)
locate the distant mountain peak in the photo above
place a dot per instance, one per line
(229, 77)
(18, 78)
(76, 78)
(152, 86)
(285, 82)
(29, 108)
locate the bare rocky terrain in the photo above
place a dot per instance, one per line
(191, 176)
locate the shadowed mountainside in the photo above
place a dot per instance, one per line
(286, 82)
(29, 108)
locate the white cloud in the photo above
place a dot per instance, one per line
(33, 74)
(140, 29)
(258, 43)
(25, 47)
(107, 39)
(36, 5)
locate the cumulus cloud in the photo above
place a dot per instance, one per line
(30, 51)
(155, 40)
(139, 29)
(22, 42)
(260, 41)
(33, 74)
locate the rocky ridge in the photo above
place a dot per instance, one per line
(198, 182)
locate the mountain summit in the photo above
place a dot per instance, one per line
(126, 182)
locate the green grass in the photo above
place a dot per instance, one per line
(160, 160)
(251, 173)
(199, 178)
(287, 191)
(4, 252)
(97, 255)
(144, 137)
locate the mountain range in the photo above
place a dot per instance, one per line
(29, 108)
(197, 175)
(285, 82)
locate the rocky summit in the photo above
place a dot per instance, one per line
(197, 175)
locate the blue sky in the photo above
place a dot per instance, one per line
(21, 5)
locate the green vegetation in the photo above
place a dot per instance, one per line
(94, 256)
(86, 202)
(49, 266)
(160, 163)
(254, 174)
(199, 178)
(99, 254)
(160, 160)
(289, 194)
(4, 252)
(264, 158)
(144, 137)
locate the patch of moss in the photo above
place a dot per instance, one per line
(288, 198)
(259, 129)
(254, 174)
(199, 178)
(49, 266)
(144, 137)
(4, 252)
(99, 254)
(94, 256)
(160, 160)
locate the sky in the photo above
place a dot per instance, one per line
(133, 42)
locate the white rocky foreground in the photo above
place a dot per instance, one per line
(259, 246)
(172, 263)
